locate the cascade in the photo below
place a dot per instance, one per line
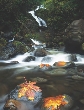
(40, 21)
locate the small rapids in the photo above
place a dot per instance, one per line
(55, 57)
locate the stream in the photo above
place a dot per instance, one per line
(13, 71)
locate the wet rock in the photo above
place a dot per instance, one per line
(57, 72)
(67, 106)
(45, 67)
(12, 105)
(70, 102)
(61, 64)
(74, 33)
(77, 77)
(39, 80)
(40, 53)
(73, 57)
(14, 95)
(29, 58)
(5, 53)
(71, 71)
(82, 101)
(14, 62)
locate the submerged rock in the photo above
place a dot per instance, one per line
(77, 77)
(39, 80)
(57, 72)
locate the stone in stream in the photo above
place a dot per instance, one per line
(63, 64)
(39, 80)
(29, 58)
(57, 72)
(12, 104)
(40, 52)
(77, 77)
(61, 102)
(25, 95)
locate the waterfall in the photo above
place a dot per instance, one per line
(40, 21)
(38, 44)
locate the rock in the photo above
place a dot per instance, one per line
(71, 71)
(52, 106)
(12, 104)
(29, 58)
(8, 35)
(44, 67)
(40, 52)
(69, 104)
(6, 53)
(73, 57)
(77, 77)
(82, 101)
(14, 62)
(14, 95)
(57, 72)
(74, 33)
(61, 64)
(39, 80)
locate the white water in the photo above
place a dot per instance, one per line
(54, 56)
(36, 42)
(40, 21)
(57, 56)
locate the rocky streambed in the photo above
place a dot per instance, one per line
(57, 74)
(53, 80)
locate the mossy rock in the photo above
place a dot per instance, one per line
(2, 43)
(20, 47)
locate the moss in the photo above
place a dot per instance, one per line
(2, 43)
(20, 47)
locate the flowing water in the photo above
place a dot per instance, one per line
(40, 21)
(12, 74)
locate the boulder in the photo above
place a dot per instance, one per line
(5, 53)
(57, 72)
(74, 36)
(29, 58)
(40, 52)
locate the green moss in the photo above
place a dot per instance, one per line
(20, 47)
(2, 43)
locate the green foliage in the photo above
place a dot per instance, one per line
(60, 13)
(13, 10)
(20, 47)
(33, 36)
(2, 43)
